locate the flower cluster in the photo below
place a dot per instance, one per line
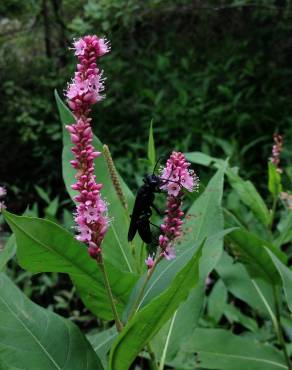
(177, 175)
(85, 89)
(91, 211)
(2, 194)
(276, 151)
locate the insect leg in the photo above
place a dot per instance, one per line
(155, 226)
(158, 211)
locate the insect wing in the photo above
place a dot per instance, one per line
(144, 230)
(133, 228)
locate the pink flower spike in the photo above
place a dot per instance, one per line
(84, 91)
(177, 175)
(276, 151)
(3, 191)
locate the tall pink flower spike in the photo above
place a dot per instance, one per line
(178, 176)
(84, 91)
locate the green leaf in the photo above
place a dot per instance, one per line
(146, 323)
(101, 343)
(249, 196)
(34, 338)
(217, 301)
(52, 208)
(254, 255)
(205, 216)
(285, 230)
(233, 314)
(7, 252)
(115, 246)
(219, 349)
(43, 246)
(256, 293)
(202, 158)
(286, 276)
(274, 180)
(41, 192)
(180, 326)
(151, 146)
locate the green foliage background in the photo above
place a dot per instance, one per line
(214, 76)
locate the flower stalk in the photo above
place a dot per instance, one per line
(119, 324)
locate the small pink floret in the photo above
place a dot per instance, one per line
(169, 253)
(149, 262)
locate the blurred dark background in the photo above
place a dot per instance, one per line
(215, 76)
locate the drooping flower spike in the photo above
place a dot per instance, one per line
(84, 91)
(3, 192)
(178, 175)
(276, 151)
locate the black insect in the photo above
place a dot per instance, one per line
(144, 202)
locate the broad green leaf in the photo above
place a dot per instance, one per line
(7, 252)
(146, 323)
(250, 197)
(52, 208)
(220, 349)
(286, 276)
(169, 340)
(256, 293)
(285, 230)
(5, 366)
(43, 246)
(205, 216)
(202, 158)
(274, 180)
(43, 194)
(34, 338)
(116, 247)
(217, 301)
(101, 343)
(233, 314)
(151, 146)
(254, 255)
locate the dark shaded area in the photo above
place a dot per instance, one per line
(214, 77)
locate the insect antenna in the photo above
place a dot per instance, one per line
(157, 162)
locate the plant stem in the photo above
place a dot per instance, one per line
(152, 357)
(119, 324)
(140, 295)
(275, 200)
(279, 330)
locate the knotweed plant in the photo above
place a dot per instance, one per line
(156, 306)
